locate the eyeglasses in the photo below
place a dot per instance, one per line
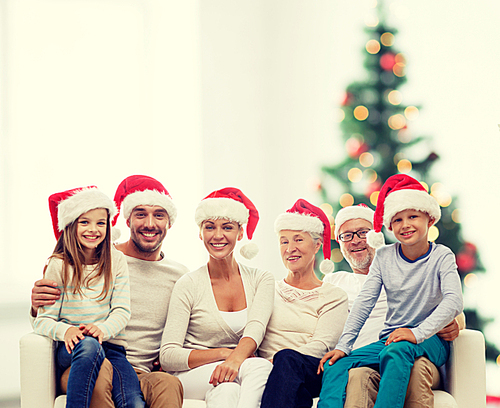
(348, 236)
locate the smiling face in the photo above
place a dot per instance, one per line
(148, 227)
(91, 229)
(410, 227)
(220, 237)
(357, 252)
(298, 250)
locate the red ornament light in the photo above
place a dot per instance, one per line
(466, 262)
(348, 98)
(387, 61)
(355, 147)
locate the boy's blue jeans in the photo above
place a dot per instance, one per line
(85, 362)
(394, 362)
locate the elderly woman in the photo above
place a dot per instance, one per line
(308, 315)
(218, 314)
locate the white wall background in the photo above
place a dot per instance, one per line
(206, 94)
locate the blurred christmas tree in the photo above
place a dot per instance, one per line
(379, 143)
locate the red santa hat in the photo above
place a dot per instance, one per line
(304, 216)
(352, 212)
(400, 192)
(65, 207)
(230, 204)
(143, 190)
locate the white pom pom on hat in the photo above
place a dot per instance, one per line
(231, 204)
(304, 216)
(400, 192)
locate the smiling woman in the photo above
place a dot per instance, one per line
(218, 314)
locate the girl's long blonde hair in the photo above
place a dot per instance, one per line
(68, 249)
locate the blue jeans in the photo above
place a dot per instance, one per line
(394, 362)
(85, 362)
(293, 382)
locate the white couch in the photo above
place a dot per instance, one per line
(466, 374)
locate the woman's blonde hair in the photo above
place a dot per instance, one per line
(68, 249)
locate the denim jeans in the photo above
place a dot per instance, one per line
(394, 362)
(293, 382)
(85, 362)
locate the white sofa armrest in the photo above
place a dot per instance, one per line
(38, 371)
(466, 370)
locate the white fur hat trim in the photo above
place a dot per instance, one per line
(409, 199)
(79, 203)
(149, 197)
(298, 222)
(221, 208)
(351, 213)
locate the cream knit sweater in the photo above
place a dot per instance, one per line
(195, 323)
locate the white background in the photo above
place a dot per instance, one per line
(207, 94)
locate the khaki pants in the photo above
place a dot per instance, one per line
(363, 384)
(160, 390)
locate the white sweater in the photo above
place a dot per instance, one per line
(151, 285)
(352, 284)
(195, 323)
(308, 321)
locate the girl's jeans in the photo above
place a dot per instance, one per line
(85, 362)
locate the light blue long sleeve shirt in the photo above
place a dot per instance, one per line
(423, 295)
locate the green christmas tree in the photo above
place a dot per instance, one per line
(379, 142)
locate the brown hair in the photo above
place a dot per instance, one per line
(68, 249)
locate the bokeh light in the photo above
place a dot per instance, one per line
(471, 280)
(355, 175)
(398, 156)
(346, 200)
(374, 197)
(366, 159)
(337, 255)
(338, 115)
(425, 185)
(360, 112)
(327, 208)
(433, 233)
(387, 39)
(372, 47)
(397, 121)
(371, 21)
(498, 360)
(411, 112)
(455, 216)
(404, 166)
(370, 175)
(404, 136)
(395, 97)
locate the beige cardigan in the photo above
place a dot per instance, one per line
(195, 323)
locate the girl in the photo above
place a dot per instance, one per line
(94, 307)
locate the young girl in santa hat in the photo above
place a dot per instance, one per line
(423, 295)
(94, 306)
(218, 314)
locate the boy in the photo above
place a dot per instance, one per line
(423, 295)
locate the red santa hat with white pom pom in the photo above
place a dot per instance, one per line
(230, 204)
(400, 192)
(304, 216)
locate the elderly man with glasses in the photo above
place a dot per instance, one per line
(351, 226)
